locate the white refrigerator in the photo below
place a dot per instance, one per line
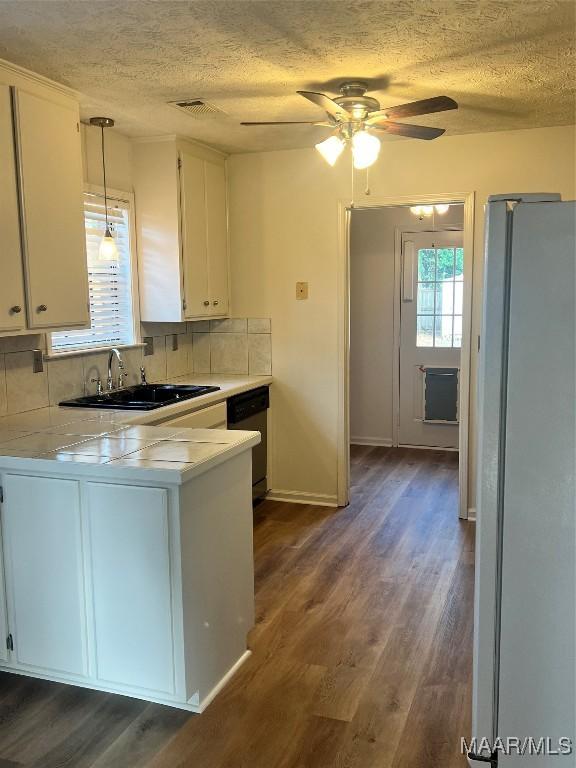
(524, 645)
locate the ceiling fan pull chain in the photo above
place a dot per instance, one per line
(367, 190)
(352, 178)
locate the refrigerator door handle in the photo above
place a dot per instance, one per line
(492, 760)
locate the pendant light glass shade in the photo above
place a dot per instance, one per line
(365, 149)
(108, 250)
(331, 149)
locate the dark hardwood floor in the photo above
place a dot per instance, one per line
(361, 654)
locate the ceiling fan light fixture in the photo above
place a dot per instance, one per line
(365, 149)
(331, 149)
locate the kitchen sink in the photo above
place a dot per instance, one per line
(143, 397)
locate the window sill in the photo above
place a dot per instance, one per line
(90, 351)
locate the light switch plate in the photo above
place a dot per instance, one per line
(149, 348)
(301, 291)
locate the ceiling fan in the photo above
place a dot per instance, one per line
(353, 114)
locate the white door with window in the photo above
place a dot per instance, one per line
(430, 338)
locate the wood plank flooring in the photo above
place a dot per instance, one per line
(361, 652)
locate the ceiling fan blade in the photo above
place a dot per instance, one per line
(325, 103)
(410, 131)
(414, 108)
(291, 122)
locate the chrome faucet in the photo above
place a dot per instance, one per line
(110, 382)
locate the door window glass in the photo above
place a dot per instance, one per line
(439, 297)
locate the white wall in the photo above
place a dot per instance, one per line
(118, 158)
(284, 228)
(372, 239)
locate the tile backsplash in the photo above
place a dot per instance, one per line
(231, 346)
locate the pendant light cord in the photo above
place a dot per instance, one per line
(104, 179)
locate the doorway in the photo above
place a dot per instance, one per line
(423, 327)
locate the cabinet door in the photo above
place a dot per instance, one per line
(12, 310)
(217, 236)
(50, 162)
(45, 583)
(194, 236)
(131, 586)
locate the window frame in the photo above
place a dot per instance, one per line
(127, 199)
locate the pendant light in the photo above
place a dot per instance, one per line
(107, 250)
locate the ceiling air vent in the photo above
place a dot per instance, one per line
(197, 108)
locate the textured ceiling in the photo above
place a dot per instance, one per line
(509, 63)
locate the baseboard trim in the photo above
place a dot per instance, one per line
(428, 447)
(384, 442)
(302, 497)
(222, 682)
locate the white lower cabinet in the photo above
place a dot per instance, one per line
(213, 417)
(45, 575)
(140, 589)
(131, 592)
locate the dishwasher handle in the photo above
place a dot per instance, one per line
(247, 404)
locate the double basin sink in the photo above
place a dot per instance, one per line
(143, 397)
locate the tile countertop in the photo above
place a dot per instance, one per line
(77, 441)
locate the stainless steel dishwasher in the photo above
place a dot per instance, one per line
(249, 410)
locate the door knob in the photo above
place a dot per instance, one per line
(42, 308)
(15, 310)
(206, 303)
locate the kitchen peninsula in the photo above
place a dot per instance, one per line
(128, 554)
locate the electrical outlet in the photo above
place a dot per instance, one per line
(301, 291)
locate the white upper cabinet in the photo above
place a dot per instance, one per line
(50, 160)
(217, 235)
(12, 306)
(194, 235)
(182, 221)
(44, 280)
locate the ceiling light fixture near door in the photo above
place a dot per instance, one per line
(107, 250)
(429, 210)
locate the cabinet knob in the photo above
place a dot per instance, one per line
(206, 303)
(15, 310)
(215, 303)
(42, 308)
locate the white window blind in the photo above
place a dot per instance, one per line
(109, 282)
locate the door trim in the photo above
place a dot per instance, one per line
(343, 309)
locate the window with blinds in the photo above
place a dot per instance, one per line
(110, 282)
